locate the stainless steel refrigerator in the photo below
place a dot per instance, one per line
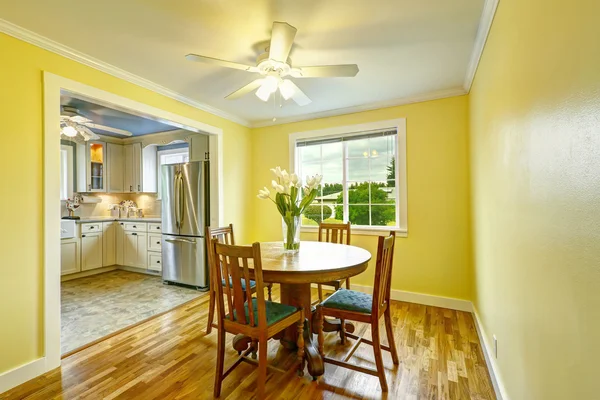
(185, 211)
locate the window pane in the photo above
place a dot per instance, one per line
(383, 215)
(358, 148)
(359, 215)
(310, 169)
(313, 214)
(332, 162)
(358, 169)
(310, 153)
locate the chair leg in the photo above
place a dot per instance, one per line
(211, 311)
(377, 352)
(320, 336)
(348, 283)
(269, 289)
(254, 348)
(300, 344)
(320, 289)
(342, 331)
(220, 360)
(389, 330)
(262, 367)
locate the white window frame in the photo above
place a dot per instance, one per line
(158, 164)
(401, 175)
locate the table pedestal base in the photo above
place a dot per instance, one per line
(299, 295)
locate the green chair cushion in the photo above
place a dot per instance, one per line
(252, 283)
(349, 300)
(275, 311)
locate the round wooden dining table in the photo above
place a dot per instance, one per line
(316, 262)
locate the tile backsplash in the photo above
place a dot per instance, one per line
(147, 202)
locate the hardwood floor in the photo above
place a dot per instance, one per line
(170, 357)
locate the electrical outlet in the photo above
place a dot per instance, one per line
(495, 347)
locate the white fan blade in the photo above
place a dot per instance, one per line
(282, 39)
(86, 133)
(105, 128)
(298, 95)
(221, 63)
(255, 84)
(325, 71)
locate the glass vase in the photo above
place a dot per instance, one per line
(290, 227)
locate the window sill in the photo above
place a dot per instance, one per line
(379, 231)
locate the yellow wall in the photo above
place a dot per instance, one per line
(21, 168)
(535, 162)
(434, 258)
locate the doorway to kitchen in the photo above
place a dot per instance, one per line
(118, 281)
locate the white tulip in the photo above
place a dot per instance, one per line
(310, 181)
(285, 177)
(276, 171)
(264, 193)
(306, 191)
(318, 179)
(294, 179)
(278, 188)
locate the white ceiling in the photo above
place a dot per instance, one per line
(404, 48)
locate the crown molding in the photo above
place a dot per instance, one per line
(47, 44)
(483, 30)
(436, 95)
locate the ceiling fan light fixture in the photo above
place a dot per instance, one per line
(263, 93)
(69, 131)
(270, 83)
(287, 89)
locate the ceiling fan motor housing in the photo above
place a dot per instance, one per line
(266, 66)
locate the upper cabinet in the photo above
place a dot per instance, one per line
(139, 171)
(114, 171)
(91, 160)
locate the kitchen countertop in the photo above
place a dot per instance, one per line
(85, 220)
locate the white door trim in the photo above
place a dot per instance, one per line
(53, 84)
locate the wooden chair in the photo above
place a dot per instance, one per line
(362, 307)
(333, 233)
(256, 318)
(223, 235)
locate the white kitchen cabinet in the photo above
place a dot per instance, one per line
(69, 256)
(154, 261)
(109, 233)
(199, 147)
(95, 166)
(135, 249)
(91, 251)
(115, 172)
(139, 170)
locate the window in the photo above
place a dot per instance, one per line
(66, 171)
(171, 154)
(364, 174)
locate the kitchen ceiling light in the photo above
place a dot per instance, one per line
(287, 89)
(263, 93)
(69, 131)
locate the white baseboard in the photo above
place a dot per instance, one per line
(420, 298)
(22, 374)
(499, 388)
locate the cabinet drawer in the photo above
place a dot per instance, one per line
(154, 261)
(135, 226)
(154, 227)
(154, 242)
(92, 227)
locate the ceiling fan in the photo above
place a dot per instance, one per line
(73, 123)
(274, 65)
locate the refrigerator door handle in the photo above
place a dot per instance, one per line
(181, 200)
(176, 200)
(180, 240)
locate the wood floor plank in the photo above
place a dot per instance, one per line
(170, 357)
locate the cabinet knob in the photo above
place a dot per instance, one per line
(82, 235)
(134, 234)
(157, 242)
(158, 262)
(135, 226)
(138, 188)
(131, 188)
(91, 227)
